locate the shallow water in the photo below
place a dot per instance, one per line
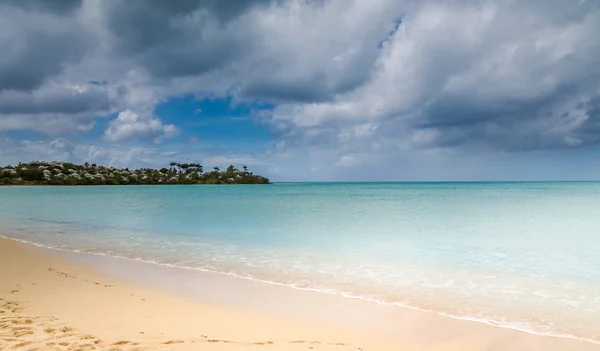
(519, 255)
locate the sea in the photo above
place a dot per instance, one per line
(521, 255)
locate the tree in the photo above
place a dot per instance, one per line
(31, 175)
(245, 169)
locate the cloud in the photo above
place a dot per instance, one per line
(55, 98)
(312, 51)
(15, 151)
(472, 75)
(56, 6)
(40, 41)
(36, 40)
(61, 149)
(195, 35)
(53, 108)
(128, 125)
(259, 49)
(353, 83)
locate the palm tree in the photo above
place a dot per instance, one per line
(173, 165)
(245, 169)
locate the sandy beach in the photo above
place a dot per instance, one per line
(50, 303)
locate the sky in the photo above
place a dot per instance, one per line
(307, 90)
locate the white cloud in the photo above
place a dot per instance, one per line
(130, 126)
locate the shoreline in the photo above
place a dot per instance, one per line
(387, 326)
(87, 258)
(110, 185)
(48, 302)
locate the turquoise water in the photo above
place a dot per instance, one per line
(518, 255)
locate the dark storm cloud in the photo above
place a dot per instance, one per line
(589, 131)
(57, 100)
(513, 124)
(38, 39)
(58, 6)
(516, 124)
(305, 89)
(178, 38)
(42, 56)
(259, 44)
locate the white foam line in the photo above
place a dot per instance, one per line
(321, 291)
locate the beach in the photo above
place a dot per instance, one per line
(50, 303)
(53, 303)
(299, 175)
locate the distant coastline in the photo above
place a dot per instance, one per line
(67, 173)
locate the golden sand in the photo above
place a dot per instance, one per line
(48, 303)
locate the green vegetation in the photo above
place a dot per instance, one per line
(66, 173)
